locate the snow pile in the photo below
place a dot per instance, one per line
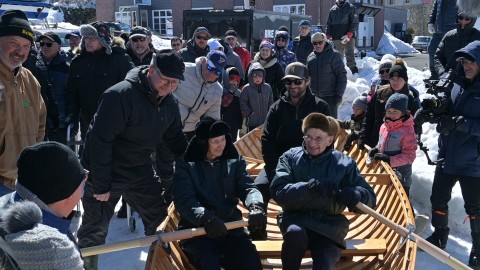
(55, 14)
(392, 45)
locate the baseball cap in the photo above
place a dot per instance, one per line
(305, 22)
(230, 33)
(74, 33)
(139, 31)
(52, 36)
(296, 70)
(216, 59)
(319, 37)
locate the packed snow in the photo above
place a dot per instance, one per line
(459, 241)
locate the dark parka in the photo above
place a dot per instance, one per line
(90, 75)
(192, 51)
(128, 126)
(454, 40)
(376, 112)
(444, 15)
(302, 47)
(283, 126)
(461, 147)
(202, 189)
(341, 20)
(327, 72)
(303, 207)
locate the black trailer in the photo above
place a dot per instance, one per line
(252, 26)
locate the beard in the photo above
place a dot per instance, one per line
(469, 7)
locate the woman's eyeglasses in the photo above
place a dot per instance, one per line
(463, 18)
(48, 44)
(137, 39)
(289, 82)
(214, 70)
(201, 37)
(384, 71)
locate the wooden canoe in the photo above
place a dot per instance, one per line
(370, 244)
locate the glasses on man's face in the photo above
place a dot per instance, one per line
(317, 43)
(137, 39)
(384, 71)
(48, 44)
(289, 82)
(463, 18)
(317, 140)
(214, 70)
(174, 83)
(201, 37)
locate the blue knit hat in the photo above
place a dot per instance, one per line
(397, 101)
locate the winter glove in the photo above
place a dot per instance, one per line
(324, 187)
(361, 144)
(350, 138)
(382, 157)
(448, 123)
(345, 39)
(349, 35)
(350, 196)
(372, 152)
(431, 28)
(338, 100)
(257, 219)
(214, 227)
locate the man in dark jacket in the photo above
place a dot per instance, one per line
(455, 40)
(342, 24)
(98, 67)
(74, 39)
(52, 72)
(197, 46)
(132, 118)
(282, 129)
(327, 72)
(442, 20)
(302, 44)
(459, 150)
(139, 46)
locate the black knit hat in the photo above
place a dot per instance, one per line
(50, 170)
(398, 70)
(170, 63)
(210, 128)
(15, 23)
(397, 101)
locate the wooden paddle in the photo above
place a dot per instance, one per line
(421, 243)
(148, 240)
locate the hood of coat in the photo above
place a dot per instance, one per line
(255, 66)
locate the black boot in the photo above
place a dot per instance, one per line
(474, 260)
(439, 237)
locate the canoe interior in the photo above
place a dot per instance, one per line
(392, 202)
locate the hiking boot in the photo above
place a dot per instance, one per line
(439, 237)
(122, 213)
(354, 70)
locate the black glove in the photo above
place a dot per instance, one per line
(447, 123)
(382, 157)
(348, 143)
(351, 196)
(361, 144)
(214, 227)
(324, 187)
(257, 219)
(338, 100)
(372, 152)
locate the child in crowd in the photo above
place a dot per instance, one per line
(359, 106)
(397, 141)
(230, 110)
(256, 97)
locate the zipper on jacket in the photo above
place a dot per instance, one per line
(190, 109)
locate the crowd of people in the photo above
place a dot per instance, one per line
(158, 126)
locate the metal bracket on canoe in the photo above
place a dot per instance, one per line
(411, 229)
(165, 246)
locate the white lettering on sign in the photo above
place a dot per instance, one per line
(269, 33)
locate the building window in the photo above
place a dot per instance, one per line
(293, 9)
(162, 21)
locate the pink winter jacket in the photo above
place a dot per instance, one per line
(397, 140)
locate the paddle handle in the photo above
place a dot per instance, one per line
(421, 243)
(148, 240)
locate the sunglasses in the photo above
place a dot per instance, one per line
(137, 39)
(201, 37)
(289, 82)
(214, 70)
(384, 71)
(48, 44)
(463, 18)
(318, 42)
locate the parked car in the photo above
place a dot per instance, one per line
(60, 32)
(118, 28)
(420, 43)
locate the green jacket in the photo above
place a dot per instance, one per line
(300, 206)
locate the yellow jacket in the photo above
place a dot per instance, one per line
(22, 116)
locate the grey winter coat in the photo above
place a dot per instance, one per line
(341, 20)
(196, 97)
(327, 72)
(255, 100)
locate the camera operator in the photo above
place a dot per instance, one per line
(459, 147)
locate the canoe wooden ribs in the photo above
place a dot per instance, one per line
(370, 244)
